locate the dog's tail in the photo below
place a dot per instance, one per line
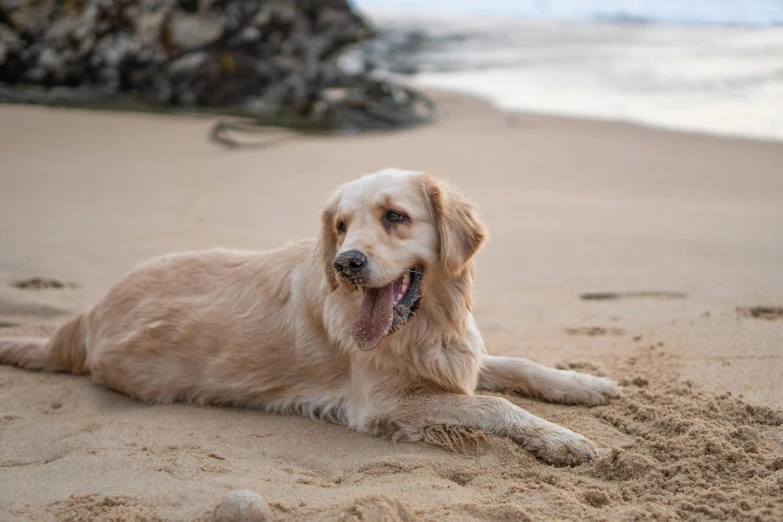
(65, 351)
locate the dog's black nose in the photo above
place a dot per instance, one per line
(350, 262)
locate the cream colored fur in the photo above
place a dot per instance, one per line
(272, 330)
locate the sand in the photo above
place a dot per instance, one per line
(648, 256)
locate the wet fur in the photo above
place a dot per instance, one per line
(272, 331)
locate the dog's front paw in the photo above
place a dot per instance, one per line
(583, 388)
(558, 445)
(596, 390)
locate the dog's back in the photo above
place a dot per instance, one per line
(204, 327)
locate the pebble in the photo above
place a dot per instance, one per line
(242, 505)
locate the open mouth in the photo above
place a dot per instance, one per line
(386, 309)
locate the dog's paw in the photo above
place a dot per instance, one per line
(583, 388)
(595, 390)
(560, 446)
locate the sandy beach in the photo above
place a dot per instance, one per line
(647, 253)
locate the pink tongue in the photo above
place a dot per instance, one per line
(375, 318)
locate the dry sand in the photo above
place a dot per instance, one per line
(673, 232)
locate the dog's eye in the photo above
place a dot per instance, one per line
(341, 228)
(395, 217)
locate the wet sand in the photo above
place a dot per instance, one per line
(618, 249)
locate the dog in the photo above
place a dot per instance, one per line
(369, 325)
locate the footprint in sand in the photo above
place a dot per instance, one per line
(9, 324)
(460, 477)
(594, 331)
(769, 313)
(608, 296)
(40, 283)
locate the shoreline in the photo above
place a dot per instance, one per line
(435, 92)
(565, 115)
(718, 80)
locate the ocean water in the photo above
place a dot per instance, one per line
(688, 12)
(711, 66)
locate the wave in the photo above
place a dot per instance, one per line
(738, 13)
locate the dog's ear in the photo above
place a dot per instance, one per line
(327, 242)
(461, 231)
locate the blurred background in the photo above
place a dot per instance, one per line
(712, 66)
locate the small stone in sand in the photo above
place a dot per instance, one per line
(242, 505)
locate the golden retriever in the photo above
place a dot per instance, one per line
(370, 326)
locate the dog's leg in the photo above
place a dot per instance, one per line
(542, 382)
(548, 441)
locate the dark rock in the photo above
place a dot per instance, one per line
(279, 61)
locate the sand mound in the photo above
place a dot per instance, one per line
(696, 454)
(376, 508)
(691, 455)
(108, 508)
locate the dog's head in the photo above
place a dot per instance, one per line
(383, 234)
